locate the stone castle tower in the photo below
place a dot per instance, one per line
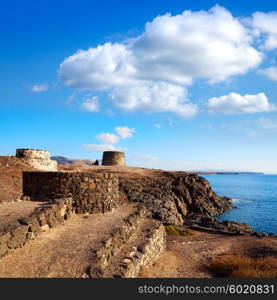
(113, 158)
(39, 159)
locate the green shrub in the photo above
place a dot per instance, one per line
(177, 230)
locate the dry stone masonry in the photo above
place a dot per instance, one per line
(153, 245)
(39, 159)
(42, 219)
(125, 251)
(113, 158)
(91, 192)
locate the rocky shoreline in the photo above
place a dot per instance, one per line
(183, 199)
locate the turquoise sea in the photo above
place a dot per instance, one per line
(254, 195)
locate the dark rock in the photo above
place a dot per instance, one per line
(172, 197)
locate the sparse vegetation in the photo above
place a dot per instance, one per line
(242, 266)
(177, 230)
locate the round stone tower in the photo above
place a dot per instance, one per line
(39, 159)
(113, 158)
(32, 154)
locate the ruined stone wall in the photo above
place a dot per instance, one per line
(91, 192)
(42, 219)
(113, 244)
(146, 254)
(39, 159)
(150, 248)
(113, 158)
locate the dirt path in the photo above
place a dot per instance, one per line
(11, 211)
(64, 251)
(187, 256)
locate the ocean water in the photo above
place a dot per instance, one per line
(254, 195)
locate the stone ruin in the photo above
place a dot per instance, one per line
(39, 159)
(91, 192)
(113, 158)
(136, 242)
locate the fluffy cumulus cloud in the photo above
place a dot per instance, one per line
(124, 132)
(154, 97)
(236, 104)
(91, 104)
(265, 25)
(271, 73)
(109, 138)
(151, 72)
(38, 88)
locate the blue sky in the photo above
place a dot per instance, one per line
(194, 89)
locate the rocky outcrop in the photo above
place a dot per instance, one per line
(211, 224)
(173, 197)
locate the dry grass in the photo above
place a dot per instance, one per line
(253, 259)
(242, 266)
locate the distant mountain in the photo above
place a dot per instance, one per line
(61, 160)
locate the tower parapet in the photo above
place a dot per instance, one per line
(39, 159)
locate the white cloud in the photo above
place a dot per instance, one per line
(266, 123)
(158, 126)
(206, 44)
(91, 104)
(150, 72)
(265, 24)
(101, 147)
(108, 138)
(271, 73)
(99, 68)
(237, 104)
(154, 97)
(124, 132)
(37, 88)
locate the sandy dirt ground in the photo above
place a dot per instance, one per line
(11, 211)
(188, 256)
(11, 177)
(63, 251)
(123, 170)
